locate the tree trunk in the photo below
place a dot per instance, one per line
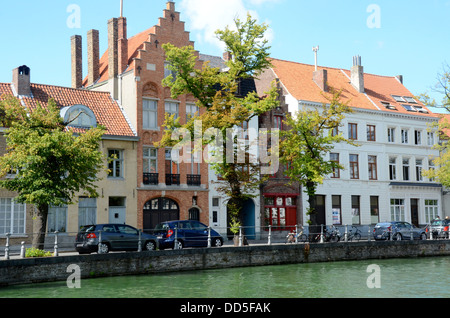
(41, 227)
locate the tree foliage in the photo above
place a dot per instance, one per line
(221, 106)
(50, 163)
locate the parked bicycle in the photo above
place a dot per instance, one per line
(300, 236)
(354, 234)
(331, 235)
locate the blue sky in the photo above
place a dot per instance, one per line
(410, 38)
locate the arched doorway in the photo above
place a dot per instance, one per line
(160, 210)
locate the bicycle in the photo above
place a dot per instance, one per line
(293, 236)
(331, 235)
(354, 235)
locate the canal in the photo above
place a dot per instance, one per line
(392, 278)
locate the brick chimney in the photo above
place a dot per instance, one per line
(320, 77)
(227, 56)
(21, 80)
(113, 58)
(93, 56)
(122, 45)
(357, 74)
(77, 61)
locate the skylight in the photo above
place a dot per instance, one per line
(410, 100)
(409, 108)
(398, 98)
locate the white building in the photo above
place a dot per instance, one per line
(382, 179)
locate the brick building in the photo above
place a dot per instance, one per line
(132, 70)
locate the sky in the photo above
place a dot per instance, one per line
(401, 37)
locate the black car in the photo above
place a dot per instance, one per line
(188, 233)
(114, 237)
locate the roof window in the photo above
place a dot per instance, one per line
(388, 105)
(398, 99)
(78, 116)
(410, 100)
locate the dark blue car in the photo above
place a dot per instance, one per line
(188, 234)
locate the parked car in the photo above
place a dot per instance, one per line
(439, 228)
(114, 237)
(189, 233)
(398, 230)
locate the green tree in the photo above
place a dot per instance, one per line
(308, 140)
(221, 106)
(50, 162)
(441, 170)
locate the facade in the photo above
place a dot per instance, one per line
(116, 202)
(132, 71)
(382, 179)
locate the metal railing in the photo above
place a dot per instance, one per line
(267, 235)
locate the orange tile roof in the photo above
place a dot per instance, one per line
(106, 110)
(297, 78)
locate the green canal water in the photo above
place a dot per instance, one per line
(406, 278)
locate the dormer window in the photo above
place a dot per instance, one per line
(79, 116)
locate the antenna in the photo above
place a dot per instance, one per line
(121, 8)
(315, 49)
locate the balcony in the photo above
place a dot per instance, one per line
(194, 180)
(150, 178)
(172, 179)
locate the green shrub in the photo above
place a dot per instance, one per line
(35, 252)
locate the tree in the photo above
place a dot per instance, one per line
(221, 107)
(51, 164)
(310, 137)
(441, 170)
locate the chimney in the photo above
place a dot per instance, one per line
(122, 45)
(227, 56)
(93, 56)
(320, 77)
(77, 61)
(21, 80)
(357, 74)
(113, 48)
(400, 78)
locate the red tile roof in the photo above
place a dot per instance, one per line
(297, 78)
(106, 110)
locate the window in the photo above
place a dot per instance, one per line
(431, 210)
(172, 108)
(115, 163)
(215, 202)
(354, 168)
(336, 209)
(278, 122)
(419, 163)
(356, 219)
(431, 167)
(150, 160)
(397, 210)
(409, 108)
(392, 168)
(335, 131)
(371, 133)
(405, 169)
(398, 98)
(191, 111)
(391, 134)
(78, 116)
(352, 131)
(168, 72)
(404, 136)
(374, 212)
(417, 137)
(410, 100)
(150, 114)
(334, 157)
(172, 169)
(430, 138)
(372, 167)
(57, 218)
(87, 211)
(12, 216)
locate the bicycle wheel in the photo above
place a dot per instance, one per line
(303, 238)
(357, 237)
